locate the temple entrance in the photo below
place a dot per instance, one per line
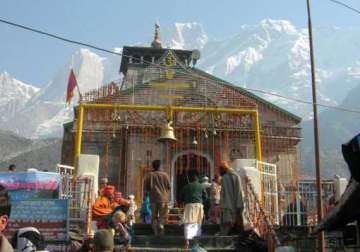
(183, 165)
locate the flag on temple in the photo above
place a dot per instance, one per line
(72, 83)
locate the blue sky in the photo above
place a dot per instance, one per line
(112, 23)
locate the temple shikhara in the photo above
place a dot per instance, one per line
(212, 120)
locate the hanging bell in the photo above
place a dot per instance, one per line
(167, 133)
(214, 132)
(194, 142)
(206, 134)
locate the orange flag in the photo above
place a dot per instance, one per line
(72, 83)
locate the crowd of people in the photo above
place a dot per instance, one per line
(219, 202)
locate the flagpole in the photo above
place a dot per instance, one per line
(77, 84)
(78, 89)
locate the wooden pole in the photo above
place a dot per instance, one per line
(316, 131)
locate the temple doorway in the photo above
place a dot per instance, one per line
(183, 166)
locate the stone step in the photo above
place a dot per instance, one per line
(174, 229)
(171, 241)
(177, 249)
(175, 215)
(174, 218)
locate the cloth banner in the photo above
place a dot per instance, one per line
(31, 185)
(50, 217)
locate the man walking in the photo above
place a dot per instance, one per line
(157, 184)
(194, 195)
(231, 200)
(207, 204)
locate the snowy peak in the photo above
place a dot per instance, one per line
(88, 68)
(281, 26)
(247, 58)
(48, 108)
(185, 36)
(272, 55)
(11, 87)
(89, 71)
(13, 96)
(45, 110)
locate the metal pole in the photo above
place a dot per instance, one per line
(316, 131)
(78, 139)
(169, 110)
(257, 136)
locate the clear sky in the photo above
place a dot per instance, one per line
(112, 23)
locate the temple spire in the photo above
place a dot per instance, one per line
(156, 42)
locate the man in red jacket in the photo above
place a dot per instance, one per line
(231, 200)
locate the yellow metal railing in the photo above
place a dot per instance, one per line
(168, 110)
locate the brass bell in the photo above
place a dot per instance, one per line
(194, 142)
(167, 133)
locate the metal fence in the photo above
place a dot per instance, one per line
(80, 204)
(66, 173)
(269, 190)
(297, 202)
(256, 218)
(285, 204)
(79, 190)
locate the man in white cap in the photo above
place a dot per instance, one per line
(28, 239)
(207, 203)
(103, 183)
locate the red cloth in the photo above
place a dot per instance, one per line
(109, 191)
(72, 83)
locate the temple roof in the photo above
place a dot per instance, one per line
(144, 56)
(248, 93)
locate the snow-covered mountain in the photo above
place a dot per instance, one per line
(185, 36)
(46, 111)
(272, 55)
(14, 94)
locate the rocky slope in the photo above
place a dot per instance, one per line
(27, 153)
(336, 127)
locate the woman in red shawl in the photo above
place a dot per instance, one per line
(103, 206)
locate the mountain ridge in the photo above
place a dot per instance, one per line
(272, 55)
